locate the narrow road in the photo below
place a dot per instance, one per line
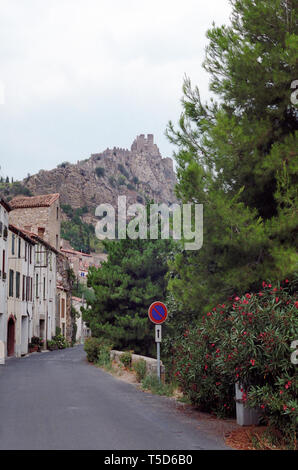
(56, 400)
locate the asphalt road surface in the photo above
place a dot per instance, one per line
(56, 400)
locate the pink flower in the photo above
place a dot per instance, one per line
(285, 407)
(276, 299)
(252, 361)
(237, 298)
(248, 296)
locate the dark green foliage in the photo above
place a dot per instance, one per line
(63, 165)
(80, 234)
(123, 170)
(140, 369)
(81, 290)
(10, 190)
(124, 287)
(94, 347)
(238, 157)
(100, 171)
(125, 358)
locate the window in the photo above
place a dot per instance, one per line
(40, 232)
(62, 308)
(36, 286)
(31, 288)
(18, 279)
(13, 239)
(30, 254)
(3, 265)
(57, 213)
(24, 288)
(11, 279)
(19, 248)
(44, 288)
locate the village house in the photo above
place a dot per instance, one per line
(20, 305)
(61, 301)
(83, 331)
(45, 277)
(4, 212)
(40, 215)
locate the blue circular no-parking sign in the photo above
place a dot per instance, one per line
(158, 312)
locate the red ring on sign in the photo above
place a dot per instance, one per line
(158, 312)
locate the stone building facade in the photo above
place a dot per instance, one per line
(45, 279)
(39, 215)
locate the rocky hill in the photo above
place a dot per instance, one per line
(139, 173)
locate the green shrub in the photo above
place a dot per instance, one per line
(151, 382)
(96, 349)
(60, 341)
(52, 345)
(123, 170)
(104, 358)
(100, 171)
(126, 358)
(140, 369)
(92, 348)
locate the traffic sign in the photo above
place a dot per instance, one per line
(158, 333)
(158, 312)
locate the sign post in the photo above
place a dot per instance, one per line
(158, 314)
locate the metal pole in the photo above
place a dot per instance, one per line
(158, 361)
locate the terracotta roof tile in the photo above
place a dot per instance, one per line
(46, 200)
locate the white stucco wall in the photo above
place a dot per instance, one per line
(3, 280)
(21, 310)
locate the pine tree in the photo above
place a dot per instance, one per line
(124, 287)
(238, 156)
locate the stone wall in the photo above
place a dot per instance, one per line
(151, 364)
(35, 218)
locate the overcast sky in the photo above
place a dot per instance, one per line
(78, 76)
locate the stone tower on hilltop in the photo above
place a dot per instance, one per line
(145, 145)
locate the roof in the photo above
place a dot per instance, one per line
(22, 233)
(21, 202)
(5, 204)
(43, 242)
(74, 252)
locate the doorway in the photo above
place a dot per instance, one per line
(10, 337)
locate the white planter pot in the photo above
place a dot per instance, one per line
(246, 416)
